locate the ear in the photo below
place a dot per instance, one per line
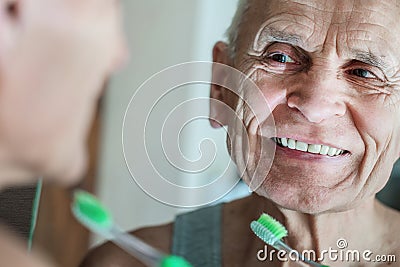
(9, 19)
(218, 115)
(10, 8)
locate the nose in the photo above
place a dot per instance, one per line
(318, 99)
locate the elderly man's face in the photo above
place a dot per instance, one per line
(331, 73)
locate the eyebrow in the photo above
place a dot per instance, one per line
(270, 34)
(286, 37)
(370, 58)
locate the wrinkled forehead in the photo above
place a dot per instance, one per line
(311, 24)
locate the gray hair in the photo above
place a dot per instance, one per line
(233, 30)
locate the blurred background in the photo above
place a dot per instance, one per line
(160, 34)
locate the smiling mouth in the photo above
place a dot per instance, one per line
(309, 148)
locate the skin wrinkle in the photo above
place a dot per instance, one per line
(368, 139)
(288, 29)
(370, 89)
(298, 20)
(311, 7)
(366, 23)
(383, 39)
(392, 102)
(252, 156)
(311, 21)
(394, 77)
(364, 190)
(253, 144)
(311, 29)
(252, 127)
(361, 31)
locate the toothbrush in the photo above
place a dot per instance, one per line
(271, 232)
(92, 214)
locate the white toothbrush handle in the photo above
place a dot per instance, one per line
(280, 245)
(137, 248)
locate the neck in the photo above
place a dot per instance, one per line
(360, 227)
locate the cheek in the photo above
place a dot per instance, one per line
(250, 131)
(46, 122)
(377, 125)
(270, 87)
(379, 129)
(249, 136)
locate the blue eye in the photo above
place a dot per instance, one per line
(362, 73)
(281, 58)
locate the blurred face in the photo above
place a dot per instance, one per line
(55, 58)
(330, 71)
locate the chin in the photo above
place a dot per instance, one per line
(75, 175)
(70, 171)
(313, 201)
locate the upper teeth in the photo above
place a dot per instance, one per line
(312, 148)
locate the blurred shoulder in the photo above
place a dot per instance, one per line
(13, 252)
(109, 254)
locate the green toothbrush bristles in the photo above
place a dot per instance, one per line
(88, 210)
(271, 231)
(273, 225)
(268, 229)
(174, 261)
